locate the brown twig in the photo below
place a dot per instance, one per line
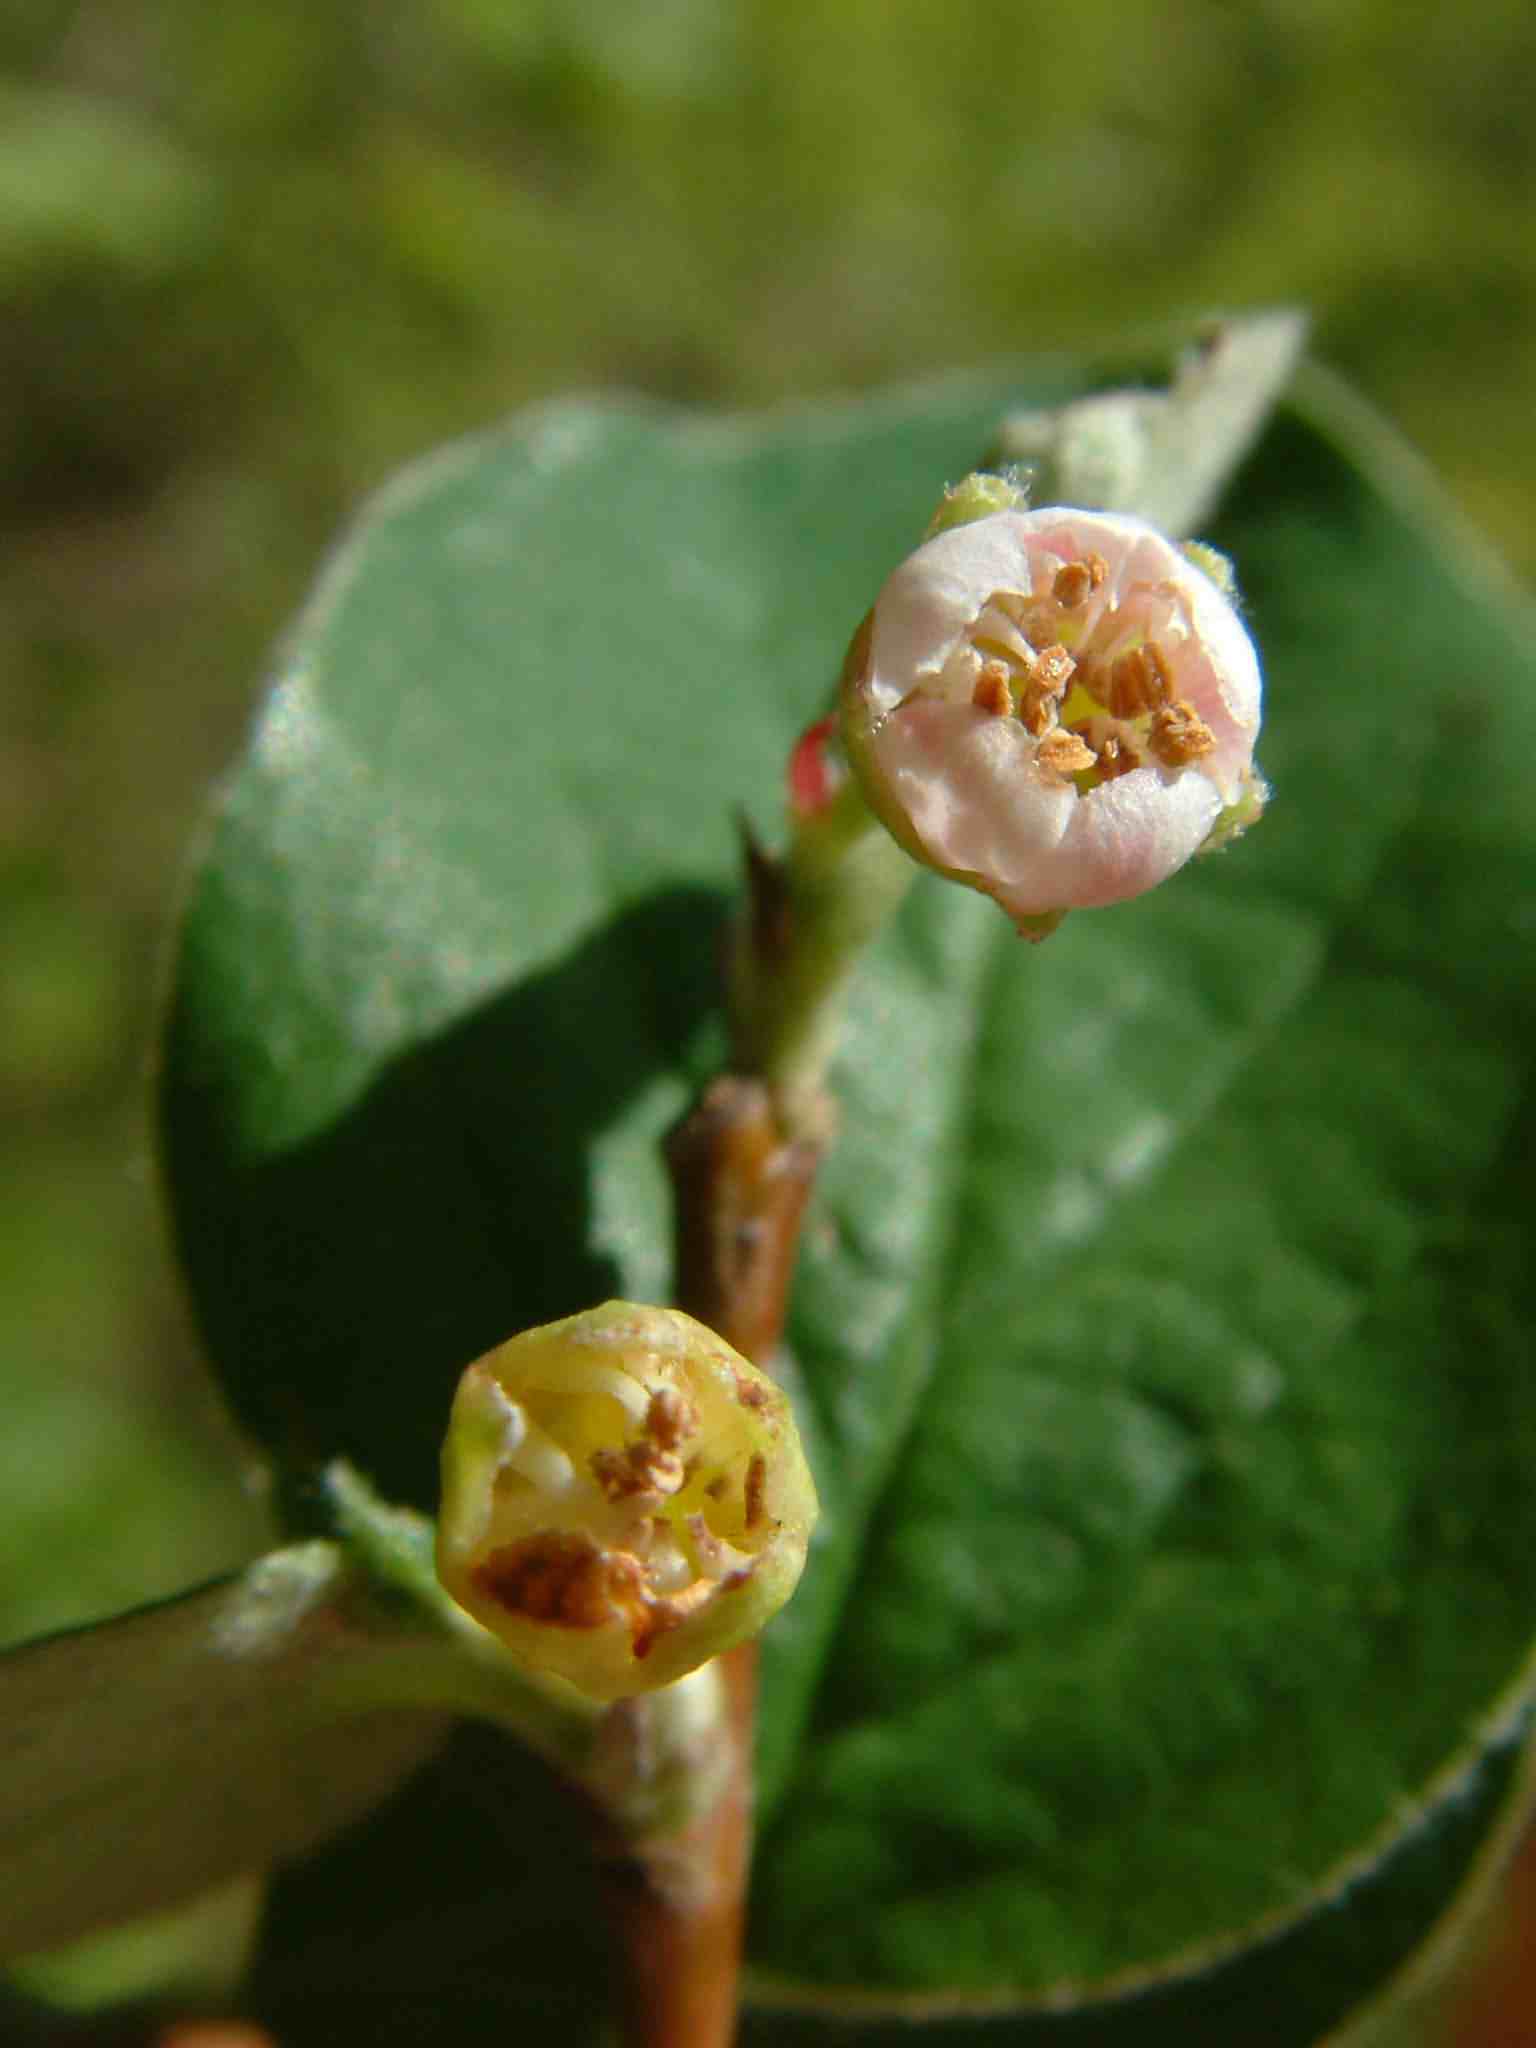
(1496, 2007)
(678, 1907)
(740, 1188)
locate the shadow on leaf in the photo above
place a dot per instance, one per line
(344, 1285)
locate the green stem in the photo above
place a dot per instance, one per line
(810, 915)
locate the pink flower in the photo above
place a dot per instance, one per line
(1056, 707)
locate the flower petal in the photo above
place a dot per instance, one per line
(1133, 773)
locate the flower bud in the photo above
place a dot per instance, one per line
(623, 1498)
(1056, 707)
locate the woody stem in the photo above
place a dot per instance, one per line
(678, 1905)
(742, 1162)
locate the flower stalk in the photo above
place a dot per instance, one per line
(808, 918)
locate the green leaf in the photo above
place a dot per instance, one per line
(1159, 1331)
(1163, 455)
(161, 1762)
(170, 1752)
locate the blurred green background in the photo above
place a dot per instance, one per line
(253, 256)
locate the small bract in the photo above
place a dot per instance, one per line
(1056, 707)
(624, 1497)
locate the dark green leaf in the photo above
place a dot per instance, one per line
(1160, 1326)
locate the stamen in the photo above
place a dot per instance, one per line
(1038, 709)
(663, 1615)
(671, 1418)
(1001, 629)
(1125, 685)
(993, 693)
(756, 1490)
(716, 1556)
(1013, 604)
(539, 1459)
(1159, 676)
(591, 1376)
(1063, 753)
(642, 1467)
(1075, 580)
(1053, 668)
(1072, 585)
(1179, 735)
(1139, 681)
(1048, 677)
(1129, 681)
(1117, 757)
(561, 1576)
(749, 1392)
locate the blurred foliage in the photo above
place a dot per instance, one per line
(252, 256)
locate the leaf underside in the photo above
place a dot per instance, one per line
(1159, 1328)
(168, 1753)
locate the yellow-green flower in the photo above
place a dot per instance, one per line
(623, 1498)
